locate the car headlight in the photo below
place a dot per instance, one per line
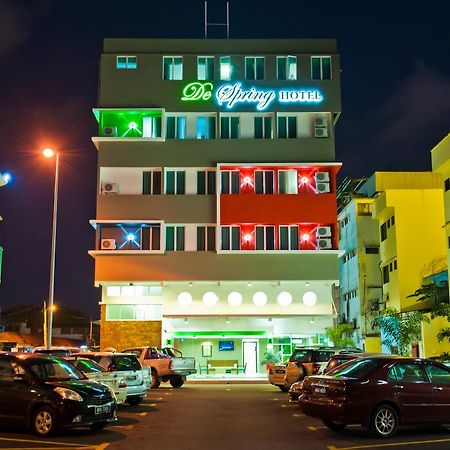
(68, 394)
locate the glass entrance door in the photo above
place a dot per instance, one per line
(250, 356)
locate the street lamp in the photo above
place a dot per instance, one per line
(49, 153)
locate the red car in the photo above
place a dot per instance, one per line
(380, 393)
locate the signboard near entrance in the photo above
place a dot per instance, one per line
(226, 346)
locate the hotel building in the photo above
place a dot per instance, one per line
(216, 225)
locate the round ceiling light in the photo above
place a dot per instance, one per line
(234, 298)
(259, 298)
(309, 298)
(210, 299)
(184, 299)
(284, 298)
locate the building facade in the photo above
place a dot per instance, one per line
(360, 286)
(410, 213)
(216, 225)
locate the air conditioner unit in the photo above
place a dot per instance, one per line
(322, 188)
(108, 244)
(323, 232)
(324, 243)
(110, 131)
(320, 132)
(110, 188)
(322, 176)
(320, 122)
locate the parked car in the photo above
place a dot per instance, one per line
(124, 365)
(94, 371)
(46, 394)
(295, 391)
(58, 351)
(166, 364)
(304, 361)
(380, 393)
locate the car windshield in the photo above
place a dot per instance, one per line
(55, 370)
(88, 366)
(126, 362)
(354, 369)
(301, 356)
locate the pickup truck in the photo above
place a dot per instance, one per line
(166, 364)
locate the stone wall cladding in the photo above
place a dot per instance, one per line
(129, 333)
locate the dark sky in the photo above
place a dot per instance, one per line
(395, 61)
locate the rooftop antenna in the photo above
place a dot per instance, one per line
(212, 24)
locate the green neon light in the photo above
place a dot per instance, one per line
(197, 92)
(219, 333)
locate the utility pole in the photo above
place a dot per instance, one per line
(45, 324)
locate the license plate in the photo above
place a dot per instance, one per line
(320, 390)
(280, 371)
(102, 409)
(131, 378)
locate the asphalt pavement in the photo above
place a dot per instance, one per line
(222, 417)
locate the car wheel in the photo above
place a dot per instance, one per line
(334, 425)
(176, 382)
(283, 389)
(98, 426)
(44, 421)
(133, 401)
(155, 380)
(384, 422)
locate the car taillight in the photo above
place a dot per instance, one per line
(315, 368)
(123, 383)
(110, 367)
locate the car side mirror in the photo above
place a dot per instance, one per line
(21, 378)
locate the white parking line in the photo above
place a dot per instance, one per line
(391, 444)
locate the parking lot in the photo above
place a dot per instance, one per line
(222, 416)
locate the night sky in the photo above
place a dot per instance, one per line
(395, 63)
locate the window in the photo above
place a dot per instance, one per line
(172, 67)
(437, 375)
(264, 181)
(447, 184)
(231, 238)
(383, 232)
(286, 67)
(409, 373)
(225, 68)
(356, 369)
(175, 182)
(205, 68)
(395, 265)
(206, 182)
(288, 237)
(176, 127)
(265, 237)
(151, 182)
(263, 127)
(287, 182)
(364, 209)
(126, 62)
(6, 371)
(320, 67)
(287, 127)
(392, 221)
(151, 238)
(229, 127)
(133, 312)
(206, 127)
(386, 274)
(372, 250)
(229, 182)
(206, 238)
(254, 67)
(174, 238)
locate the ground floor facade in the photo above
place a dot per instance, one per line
(231, 328)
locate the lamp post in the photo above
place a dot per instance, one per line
(49, 153)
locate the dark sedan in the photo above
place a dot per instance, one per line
(46, 394)
(379, 393)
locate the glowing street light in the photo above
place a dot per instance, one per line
(49, 153)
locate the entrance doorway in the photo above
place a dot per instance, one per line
(250, 356)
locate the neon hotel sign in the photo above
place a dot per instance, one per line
(230, 95)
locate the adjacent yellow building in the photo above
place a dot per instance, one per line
(409, 209)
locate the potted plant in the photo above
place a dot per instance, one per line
(270, 357)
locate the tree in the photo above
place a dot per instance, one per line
(340, 335)
(400, 330)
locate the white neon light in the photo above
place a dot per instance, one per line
(234, 298)
(184, 298)
(309, 298)
(259, 298)
(230, 95)
(284, 298)
(210, 299)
